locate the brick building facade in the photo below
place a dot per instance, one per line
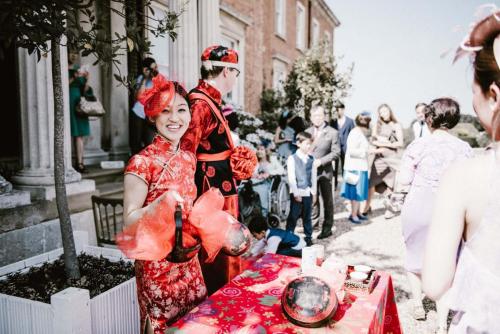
(270, 35)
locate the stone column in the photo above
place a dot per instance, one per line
(116, 99)
(37, 124)
(93, 152)
(209, 23)
(184, 55)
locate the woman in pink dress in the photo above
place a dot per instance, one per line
(422, 167)
(467, 205)
(166, 291)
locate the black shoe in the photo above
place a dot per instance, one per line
(324, 235)
(309, 242)
(80, 168)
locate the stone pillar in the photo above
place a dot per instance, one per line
(116, 99)
(37, 124)
(184, 56)
(93, 152)
(209, 23)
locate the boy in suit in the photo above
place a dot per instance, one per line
(274, 240)
(302, 182)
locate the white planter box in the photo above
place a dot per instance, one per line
(71, 311)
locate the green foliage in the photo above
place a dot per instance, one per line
(270, 107)
(315, 77)
(33, 24)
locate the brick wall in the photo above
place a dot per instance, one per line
(262, 44)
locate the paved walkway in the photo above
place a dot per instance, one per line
(379, 244)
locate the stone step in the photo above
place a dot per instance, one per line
(101, 176)
(110, 189)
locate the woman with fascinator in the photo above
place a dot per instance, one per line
(166, 290)
(467, 206)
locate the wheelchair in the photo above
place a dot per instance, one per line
(279, 201)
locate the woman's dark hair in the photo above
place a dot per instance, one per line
(283, 120)
(297, 123)
(442, 113)
(146, 62)
(232, 120)
(258, 224)
(487, 72)
(363, 120)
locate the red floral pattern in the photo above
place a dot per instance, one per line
(226, 185)
(166, 291)
(250, 303)
(210, 171)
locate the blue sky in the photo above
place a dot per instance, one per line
(396, 47)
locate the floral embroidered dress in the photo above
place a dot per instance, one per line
(166, 291)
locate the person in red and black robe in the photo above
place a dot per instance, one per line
(208, 136)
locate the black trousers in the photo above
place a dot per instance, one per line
(298, 209)
(326, 193)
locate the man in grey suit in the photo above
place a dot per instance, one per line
(325, 149)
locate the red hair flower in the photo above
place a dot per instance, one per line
(243, 162)
(157, 98)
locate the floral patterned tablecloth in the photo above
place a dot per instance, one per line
(250, 304)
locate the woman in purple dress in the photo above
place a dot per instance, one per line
(422, 167)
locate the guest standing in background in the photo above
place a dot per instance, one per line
(343, 125)
(387, 138)
(357, 163)
(78, 87)
(419, 127)
(325, 149)
(423, 165)
(141, 132)
(284, 136)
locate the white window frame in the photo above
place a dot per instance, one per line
(280, 17)
(280, 72)
(237, 95)
(328, 37)
(315, 32)
(300, 39)
(162, 46)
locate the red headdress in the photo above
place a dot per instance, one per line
(218, 55)
(157, 98)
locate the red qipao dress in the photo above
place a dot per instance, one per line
(166, 290)
(207, 138)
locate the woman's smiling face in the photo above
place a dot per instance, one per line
(173, 122)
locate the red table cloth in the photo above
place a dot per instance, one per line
(250, 304)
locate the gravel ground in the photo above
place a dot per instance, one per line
(379, 244)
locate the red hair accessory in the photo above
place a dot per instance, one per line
(218, 55)
(243, 161)
(157, 98)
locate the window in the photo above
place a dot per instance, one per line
(236, 95)
(280, 17)
(315, 32)
(279, 74)
(160, 46)
(328, 37)
(301, 26)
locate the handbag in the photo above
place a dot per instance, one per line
(89, 106)
(351, 177)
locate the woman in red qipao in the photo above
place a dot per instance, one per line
(166, 290)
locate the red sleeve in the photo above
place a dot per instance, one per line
(202, 124)
(138, 165)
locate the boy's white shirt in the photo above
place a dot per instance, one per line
(270, 245)
(292, 180)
